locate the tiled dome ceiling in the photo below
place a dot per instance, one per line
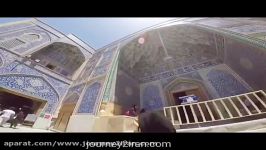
(167, 48)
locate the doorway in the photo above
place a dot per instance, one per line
(197, 91)
(29, 105)
(64, 116)
(65, 112)
(193, 91)
(177, 95)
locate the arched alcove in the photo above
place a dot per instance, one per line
(30, 37)
(59, 57)
(183, 87)
(33, 86)
(167, 48)
(66, 110)
(167, 52)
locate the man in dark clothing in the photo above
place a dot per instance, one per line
(1, 108)
(155, 122)
(19, 118)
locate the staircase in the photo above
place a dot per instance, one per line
(240, 113)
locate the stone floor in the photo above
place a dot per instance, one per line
(246, 126)
(263, 130)
(22, 129)
(251, 126)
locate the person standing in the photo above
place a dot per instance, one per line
(7, 114)
(133, 111)
(1, 108)
(154, 122)
(19, 118)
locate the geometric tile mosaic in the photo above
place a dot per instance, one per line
(90, 99)
(31, 85)
(151, 98)
(225, 83)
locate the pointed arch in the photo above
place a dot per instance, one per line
(183, 84)
(60, 57)
(30, 37)
(34, 86)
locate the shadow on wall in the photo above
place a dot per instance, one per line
(248, 61)
(126, 93)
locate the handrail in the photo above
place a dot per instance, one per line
(221, 109)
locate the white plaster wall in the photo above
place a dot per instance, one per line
(90, 123)
(81, 123)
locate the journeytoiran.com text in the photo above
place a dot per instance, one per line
(89, 144)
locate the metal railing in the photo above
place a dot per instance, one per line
(221, 109)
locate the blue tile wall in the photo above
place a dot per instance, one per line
(17, 68)
(6, 57)
(255, 75)
(123, 97)
(180, 71)
(225, 83)
(10, 66)
(90, 100)
(151, 97)
(74, 90)
(100, 70)
(1, 61)
(89, 68)
(192, 75)
(31, 85)
(220, 46)
(107, 57)
(104, 63)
